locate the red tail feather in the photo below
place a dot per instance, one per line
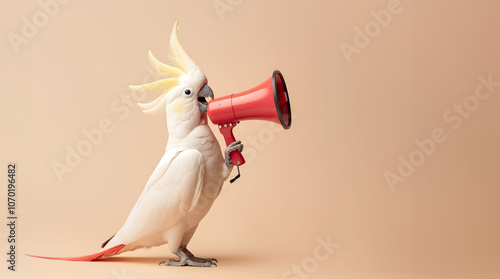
(106, 253)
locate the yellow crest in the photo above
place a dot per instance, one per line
(170, 74)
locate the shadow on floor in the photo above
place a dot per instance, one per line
(227, 259)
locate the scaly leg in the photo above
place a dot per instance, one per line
(186, 258)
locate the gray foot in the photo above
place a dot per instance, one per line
(192, 257)
(188, 262)
(232, 147)
(186, 258)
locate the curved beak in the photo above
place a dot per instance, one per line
(205, 92)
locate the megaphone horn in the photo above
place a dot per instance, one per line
(268, 101)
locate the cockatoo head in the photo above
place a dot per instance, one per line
(183, 88)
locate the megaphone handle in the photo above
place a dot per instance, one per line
(227, 131)
(237, 158)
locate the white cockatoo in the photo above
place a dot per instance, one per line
(190, 175)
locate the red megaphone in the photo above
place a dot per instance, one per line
(268, 101)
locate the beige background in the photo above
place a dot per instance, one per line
(322, 178)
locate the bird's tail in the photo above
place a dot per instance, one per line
(106, 253)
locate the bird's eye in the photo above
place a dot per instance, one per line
(187, 91)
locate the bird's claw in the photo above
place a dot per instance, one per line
(191, 262)
(209, 260)
(237, 145)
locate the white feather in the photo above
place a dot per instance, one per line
(170, 195)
